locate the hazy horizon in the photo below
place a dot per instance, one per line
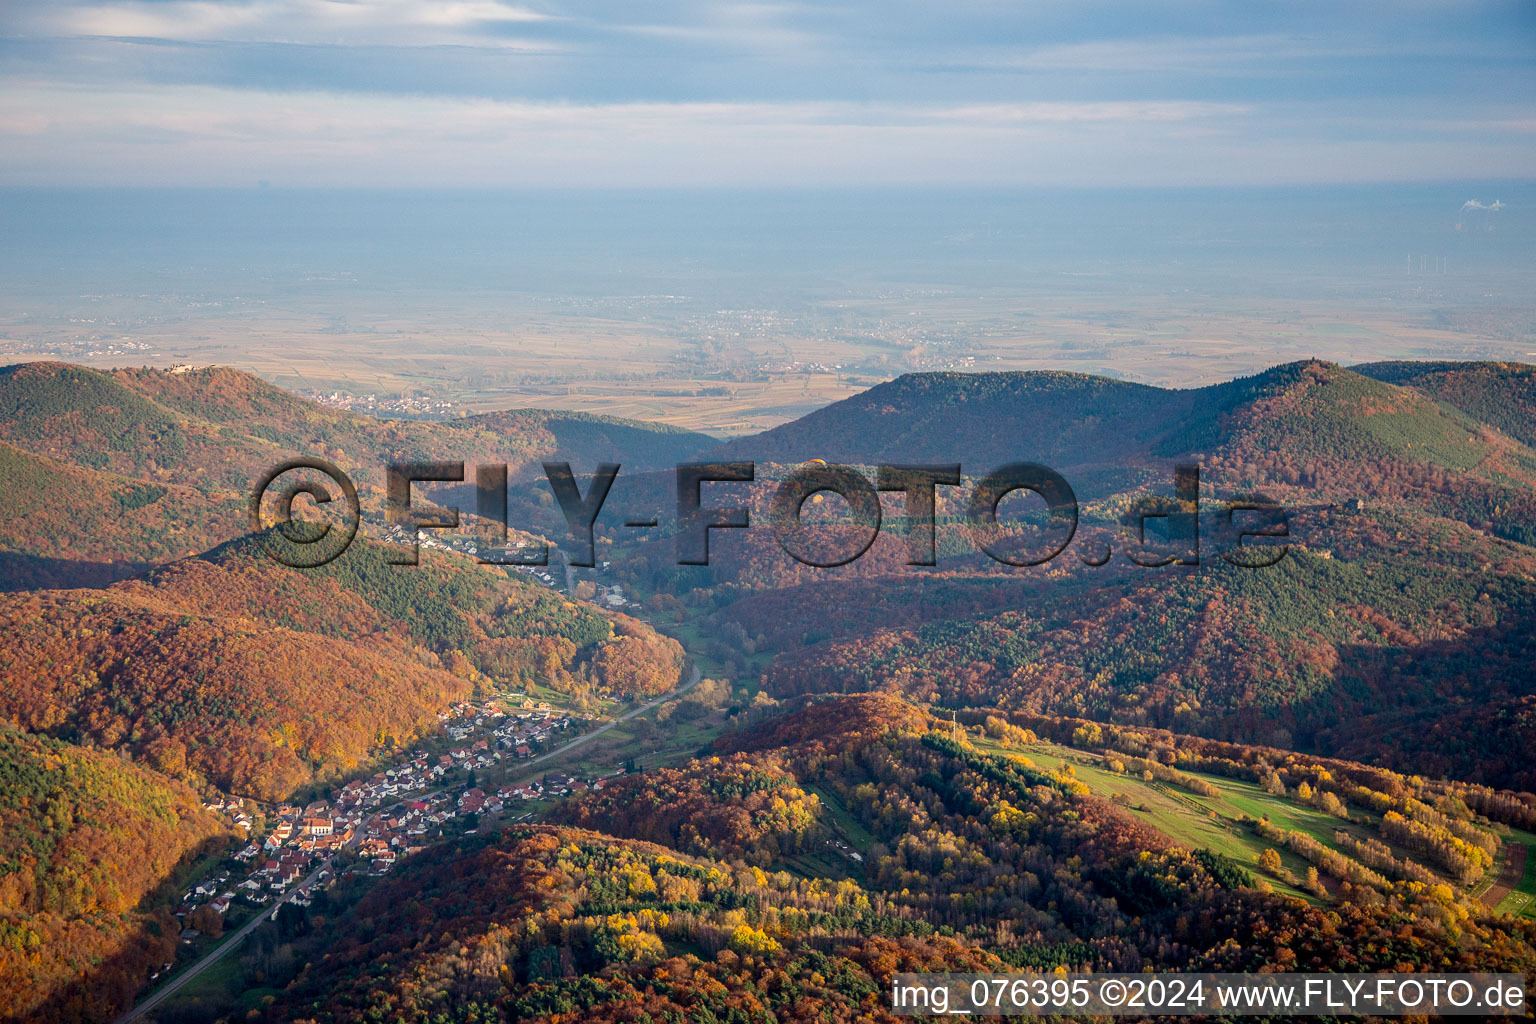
(616, 207)
(600, 300)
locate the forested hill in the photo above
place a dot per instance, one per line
(235, 670)
(1500, 394)
(1447, 442)
(979, 419)
(216, 668)
(85, 837)
(796, 880)
(950, 767)
(1396, 629)
(137, 466)
(230, 673)
(255, 709)
(1305, 423)
(62, 523)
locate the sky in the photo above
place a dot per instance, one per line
(485, 93)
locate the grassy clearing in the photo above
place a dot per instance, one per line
(1196, 821)
(639, 739)
(695, 638)
(828, 861)
(218, 988)
(859, 837)
(1522, 901)
(540, 691)
(821, 865)
(218, 983)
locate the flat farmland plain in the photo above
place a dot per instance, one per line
(737, 371)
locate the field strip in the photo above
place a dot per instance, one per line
(1510, 876)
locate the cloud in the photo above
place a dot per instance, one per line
(171, 135)
(1473, 204)
(233, 116)
(347, 22)
(1246, 55)
(760, 27)
(22, 123)
(1165, 54)
(736, 92)
(1125, 110)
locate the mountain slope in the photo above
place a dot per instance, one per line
(1320, 411)
(139, 465)
(546, 924)
(979, 419)
(585, 439)
(237, 670)
(70, 412)
(479, 618)
(239, 400)
(936, 850)
(254, 709)
(1293, 414)
(1377, 620)
(1500, 394)
(50, 508)
(85, 836)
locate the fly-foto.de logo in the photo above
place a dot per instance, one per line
(306, 543)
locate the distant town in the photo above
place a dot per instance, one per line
(412, 406)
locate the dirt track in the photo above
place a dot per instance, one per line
(1509, 877)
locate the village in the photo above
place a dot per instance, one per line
(371, 824)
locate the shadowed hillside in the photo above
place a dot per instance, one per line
(85, 836)
(237, 670)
